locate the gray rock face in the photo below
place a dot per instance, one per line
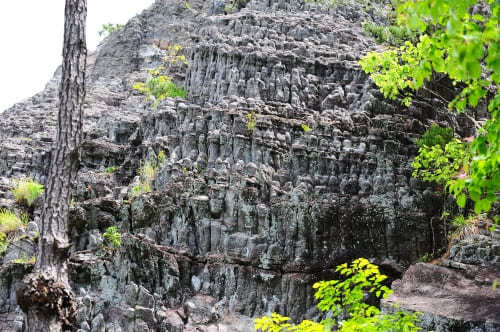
(457, 294)
(241, 220)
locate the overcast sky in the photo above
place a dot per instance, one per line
(31, 34)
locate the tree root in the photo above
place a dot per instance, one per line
(42, 294)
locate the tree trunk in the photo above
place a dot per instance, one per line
(45, 295)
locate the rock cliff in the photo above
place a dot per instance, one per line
(241, 219)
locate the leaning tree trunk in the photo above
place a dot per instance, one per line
(45, 295)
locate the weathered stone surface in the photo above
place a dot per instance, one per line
(241, 221)
(456, 295)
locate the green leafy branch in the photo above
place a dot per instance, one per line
(159, 87)
(346, 296)
(466, 48)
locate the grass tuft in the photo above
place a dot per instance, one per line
(26, 191)
(10, 222)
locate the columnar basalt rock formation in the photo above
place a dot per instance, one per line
(242, 219)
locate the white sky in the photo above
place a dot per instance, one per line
(31, 34)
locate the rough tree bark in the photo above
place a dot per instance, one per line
(45, 295)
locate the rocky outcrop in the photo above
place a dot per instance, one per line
(459, 293)
(242, 219)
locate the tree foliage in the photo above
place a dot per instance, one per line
(440, 164)
(462, 42)
(341, 297)
(392, 34)
(435, 135)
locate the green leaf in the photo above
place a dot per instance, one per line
(474, 193)
(482, 205)
(461, 199)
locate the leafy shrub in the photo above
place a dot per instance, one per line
(435, 135)
(10, 222)
(341, 297)
(175, 55)
(108, 29)
(440, 157)
(140, 189)
(111, 169)
(113, 237)
(147, 173)
(159, 87)
(251, 119)
(305, 128)
(439, 164)
(493, 227)
(26, 191)
(392, 34)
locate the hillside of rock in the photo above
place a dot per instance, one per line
(241, 219)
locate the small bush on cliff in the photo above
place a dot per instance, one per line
(175, 55)
(147, 173)
(436, 135)
(392, 34)
(110, 170)
(251, 120)
(305, 127)
(159, 87)
(112, 237)
(346, 297)
(26, 191)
